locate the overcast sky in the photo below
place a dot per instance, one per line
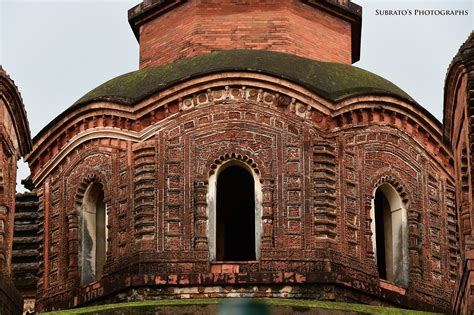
(56, 51)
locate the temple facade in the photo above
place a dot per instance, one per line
(247, 157)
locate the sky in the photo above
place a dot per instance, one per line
(56, 51)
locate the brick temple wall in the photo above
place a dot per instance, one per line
(458, 130)
(318, 173)
(8, 160)
(14, 142)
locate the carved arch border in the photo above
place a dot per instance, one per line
(81, 182)
(143, 116)
(421, 128)
(201, 205)
(390, 176)
(233, 156)
(396, 182)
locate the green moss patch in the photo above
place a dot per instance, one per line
(360, 308)
(332, 81)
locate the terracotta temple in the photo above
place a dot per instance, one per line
(246, 157)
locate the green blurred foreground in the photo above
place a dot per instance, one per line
(235, 307)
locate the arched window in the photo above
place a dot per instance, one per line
(235, 215)
(234, 209)
(93, 234)
(389, 235)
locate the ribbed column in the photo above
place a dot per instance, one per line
(200, 239)
(414, 245)
(453, 233)
(267, 213)
(73, 243)
(324, 157)
(144, 193)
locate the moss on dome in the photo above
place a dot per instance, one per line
(332, 81)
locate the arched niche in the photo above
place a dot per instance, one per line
(229, 181)
(389, 234)
(92, 234)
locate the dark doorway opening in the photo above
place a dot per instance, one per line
(382, 223)
(235, 235)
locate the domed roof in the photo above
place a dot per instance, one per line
(332, 81)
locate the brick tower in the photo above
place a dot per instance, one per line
(168, 31)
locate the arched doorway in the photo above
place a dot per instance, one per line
(389, 235)
(93, 234)
(235, 215)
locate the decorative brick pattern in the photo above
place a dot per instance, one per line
(458, 129)
(351, 213)
(25, 247)
(144, 193)
(317, 182)
(325, 197)
(453, 233)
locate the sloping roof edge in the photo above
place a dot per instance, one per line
(332, 81)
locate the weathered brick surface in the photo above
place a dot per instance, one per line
(318, 169)
(15, 142)
(323, 286)
(458, 130)
(25, 248)
(201, 26)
